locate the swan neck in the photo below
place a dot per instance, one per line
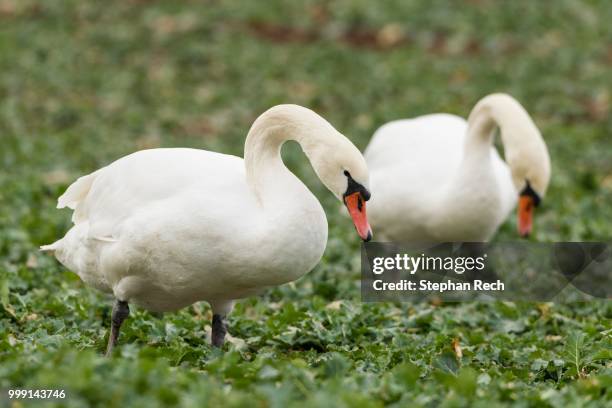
(265, 171)
(503, 112)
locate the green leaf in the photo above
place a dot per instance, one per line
(447, 363)
(484, 379)
(4, 297)
(4, 291)
(466, 382)
(573, 353)
(539, 364)
(407, 373)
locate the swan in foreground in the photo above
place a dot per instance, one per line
(164, 228)
(438, 178)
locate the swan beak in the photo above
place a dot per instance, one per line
(526, 208)
(357, 209)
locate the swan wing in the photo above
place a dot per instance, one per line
(132, 183)
(116, 200)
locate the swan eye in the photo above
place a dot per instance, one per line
(347, 174)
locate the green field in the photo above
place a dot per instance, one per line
(84, 83)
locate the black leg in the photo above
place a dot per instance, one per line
(121, 311)
(219, 328)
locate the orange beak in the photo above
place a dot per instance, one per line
(357, 209)
(526, 207)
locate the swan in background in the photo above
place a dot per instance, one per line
(165, 228)
(438, 178)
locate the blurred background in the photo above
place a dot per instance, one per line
(83, 83)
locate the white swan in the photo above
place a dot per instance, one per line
(165, 228)
(439, 178)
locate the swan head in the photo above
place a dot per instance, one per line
(343, 170)
(530, 168)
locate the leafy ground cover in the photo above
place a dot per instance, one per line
(83, 83)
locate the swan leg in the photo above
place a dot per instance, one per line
(219, 328)
(121, 311)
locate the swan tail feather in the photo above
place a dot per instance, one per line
(75, 194)
(51, 247)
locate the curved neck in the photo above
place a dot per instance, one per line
(265, 171)
(498, 110)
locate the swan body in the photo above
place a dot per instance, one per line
(161, 228)
(439, 178)
(164, 228)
